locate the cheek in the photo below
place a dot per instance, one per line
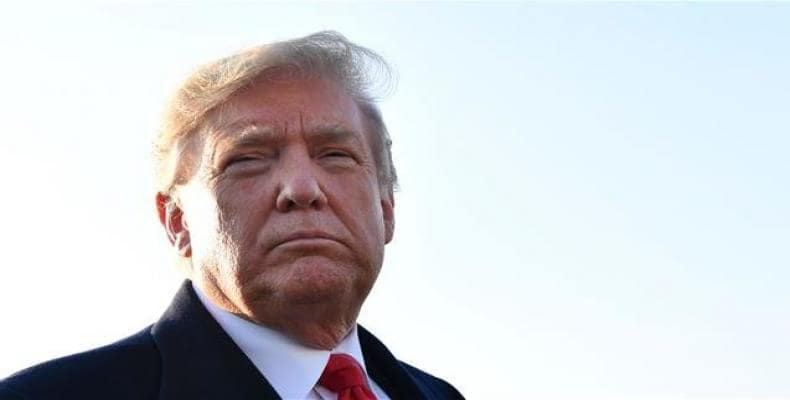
(364, 207)
(241, 211)
(231, 218)
(200, 216)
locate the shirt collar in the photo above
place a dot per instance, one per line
(291, 368)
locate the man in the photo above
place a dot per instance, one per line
(275, 185)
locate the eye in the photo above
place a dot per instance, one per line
(243, 159)
(337, 158)
(335, 154)
(250, 159)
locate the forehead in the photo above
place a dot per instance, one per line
(291, 105)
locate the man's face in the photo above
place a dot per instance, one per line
(285, 216)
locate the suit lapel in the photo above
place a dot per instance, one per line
(199, 360)
(387, 371)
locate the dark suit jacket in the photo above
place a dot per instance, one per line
(187, 355)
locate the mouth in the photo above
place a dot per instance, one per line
(307, 238)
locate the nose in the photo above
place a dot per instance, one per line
(299, 187)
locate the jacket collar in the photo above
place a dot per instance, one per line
(199, 360)
(387, 371)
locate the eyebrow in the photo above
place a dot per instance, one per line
(243, 133)
(333, 133)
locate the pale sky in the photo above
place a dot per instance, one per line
(594, 197)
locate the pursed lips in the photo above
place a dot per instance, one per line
(308, 236)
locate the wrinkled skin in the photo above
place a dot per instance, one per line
(284, 218)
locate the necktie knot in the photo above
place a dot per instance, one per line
(344, 376)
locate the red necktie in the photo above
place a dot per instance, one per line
(344, 376)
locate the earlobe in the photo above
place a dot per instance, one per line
(183, 244)
(172, 219)
(161, 207)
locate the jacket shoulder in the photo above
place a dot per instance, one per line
(127, 369)
(439, 388)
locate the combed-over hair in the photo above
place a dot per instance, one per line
(324, 54)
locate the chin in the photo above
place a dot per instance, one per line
(314, 299)
(316, 282)
(312, 281)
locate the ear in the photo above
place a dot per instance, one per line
(388, 213)
(172, 219)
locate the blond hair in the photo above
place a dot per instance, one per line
(324, 54)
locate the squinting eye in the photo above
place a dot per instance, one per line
(243, 159)
(336, 154)
(247, 159)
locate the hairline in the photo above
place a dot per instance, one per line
(217, 118)
(206, 92)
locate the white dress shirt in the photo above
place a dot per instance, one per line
(292, 369)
